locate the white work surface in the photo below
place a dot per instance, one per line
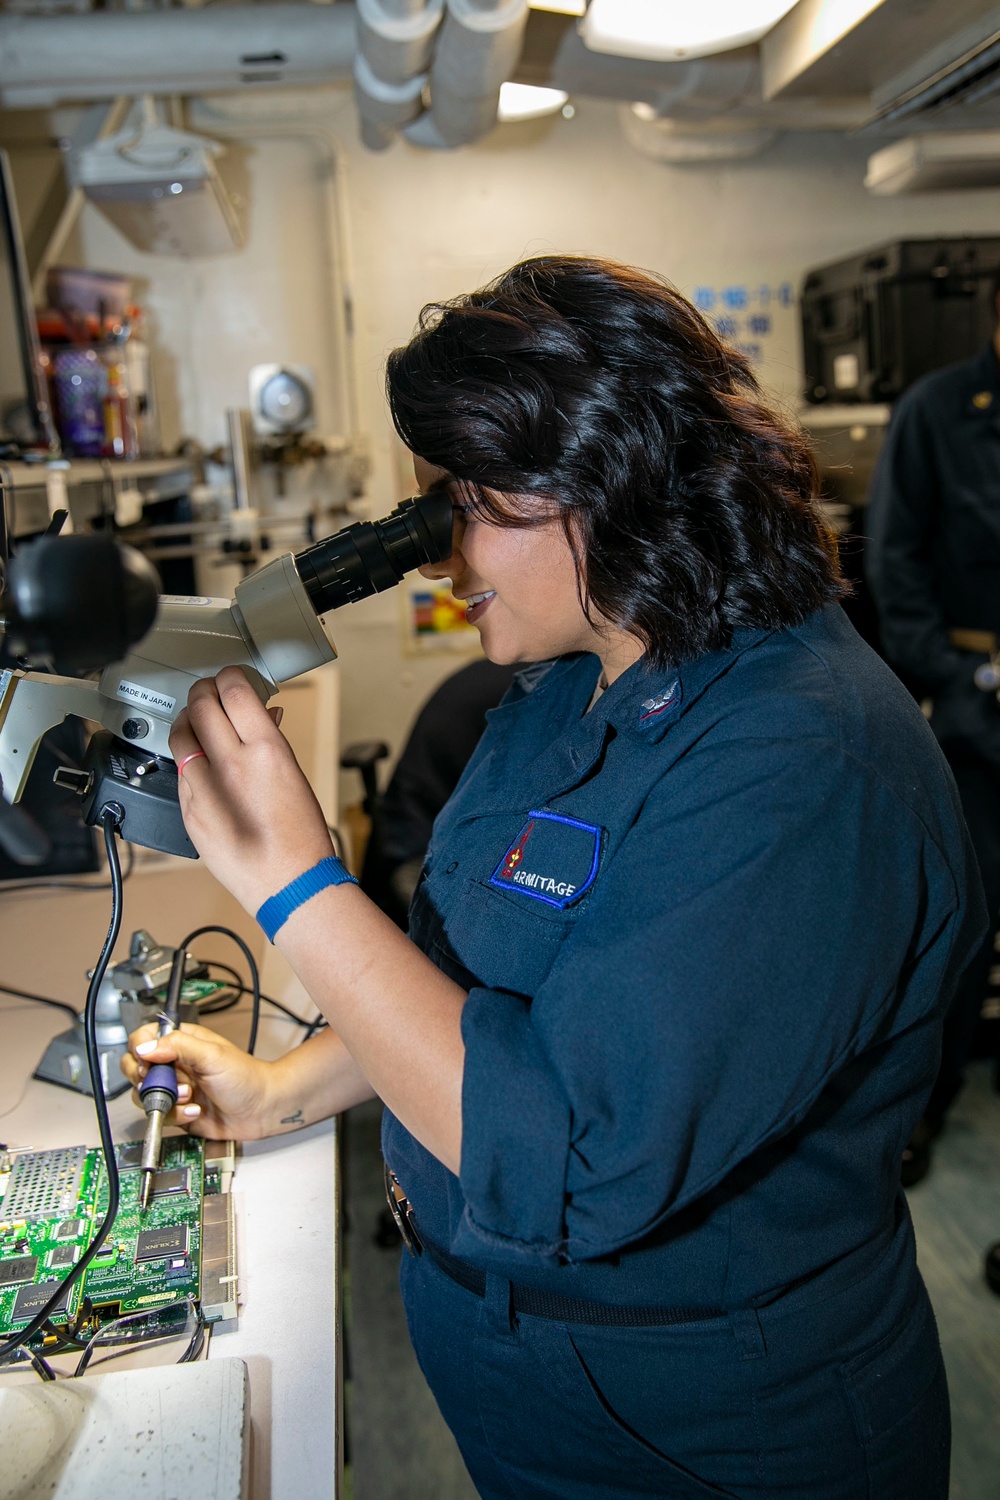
(169, 1432)
(286, 1190)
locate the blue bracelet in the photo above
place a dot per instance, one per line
(277, 909)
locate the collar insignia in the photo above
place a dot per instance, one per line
(652, 708)
(982, 399)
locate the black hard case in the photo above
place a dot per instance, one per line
(900, 310)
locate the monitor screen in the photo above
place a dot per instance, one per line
(24, 415)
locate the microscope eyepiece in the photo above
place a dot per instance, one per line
(371, 556)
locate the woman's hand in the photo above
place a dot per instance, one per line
(247, 807)
(223, 1093)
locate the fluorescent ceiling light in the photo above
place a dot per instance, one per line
(670, 30)
(523, 101)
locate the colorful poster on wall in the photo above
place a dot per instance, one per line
(435, 620)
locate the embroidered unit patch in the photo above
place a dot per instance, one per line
(652, 708)
(553, 859)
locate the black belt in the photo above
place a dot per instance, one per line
(529, 1300)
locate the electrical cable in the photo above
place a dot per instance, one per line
(28, 1356)
(71, 1010)
(110, 821)
(242, 989)
(218, 1004)
(251, 965)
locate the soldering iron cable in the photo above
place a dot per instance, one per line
(110, 821)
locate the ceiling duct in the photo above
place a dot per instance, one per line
(478, 48)
(968, 79)
(902, 56)
(395, 45)
(48, 60)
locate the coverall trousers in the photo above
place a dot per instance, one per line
(832, 1395)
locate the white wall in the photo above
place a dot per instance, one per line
(426, 225)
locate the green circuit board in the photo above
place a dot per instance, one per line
(52, 1202)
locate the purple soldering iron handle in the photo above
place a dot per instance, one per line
(161, 1076)
(158, 1093)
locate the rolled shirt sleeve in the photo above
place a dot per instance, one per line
(746, 937)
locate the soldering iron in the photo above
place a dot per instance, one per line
(158, 1090)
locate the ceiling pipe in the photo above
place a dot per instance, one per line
(478, 48)
(395, 44)
(393, 47)
(48, 60)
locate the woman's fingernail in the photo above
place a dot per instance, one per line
(143, 1047)
(183, 1091)
(191, 1111)
(142, 1070)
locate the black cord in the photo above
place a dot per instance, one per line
(194, 1348)
(28, 1356)
(228, 1000)
(315, 1026)
(251, 965)
(71, 1010)
(241, 990)
(109, 822)
(124, 1338)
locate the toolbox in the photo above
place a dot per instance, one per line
(876, 321)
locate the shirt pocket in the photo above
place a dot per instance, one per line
(491, 940)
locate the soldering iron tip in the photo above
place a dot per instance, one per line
(147, 1178)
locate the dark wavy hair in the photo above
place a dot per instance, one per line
(600, 394)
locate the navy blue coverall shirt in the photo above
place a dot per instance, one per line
(708, 930)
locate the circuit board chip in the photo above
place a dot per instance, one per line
(22, 1269)
(31, 1299)
(129, 1156)
(173, 1180)
(70, 1229)
(62, 1256)
(159, 1243)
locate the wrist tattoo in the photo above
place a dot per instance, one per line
(296, 1119)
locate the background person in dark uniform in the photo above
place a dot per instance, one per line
(446, 731)
(671, 1003)
(933, 562)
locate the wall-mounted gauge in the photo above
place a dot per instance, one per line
(282, 398)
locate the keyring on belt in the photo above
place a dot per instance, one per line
(402, 1211)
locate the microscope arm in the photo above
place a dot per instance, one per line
(270, 630)
(32, 703)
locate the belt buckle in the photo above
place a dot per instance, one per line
(402, 1211)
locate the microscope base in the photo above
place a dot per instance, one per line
(65, 1062)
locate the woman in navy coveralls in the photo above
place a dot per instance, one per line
(671, 1002)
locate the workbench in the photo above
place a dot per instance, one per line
(286, 1190)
